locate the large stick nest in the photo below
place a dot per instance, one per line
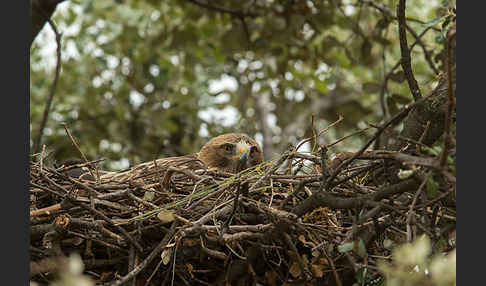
(299, 218)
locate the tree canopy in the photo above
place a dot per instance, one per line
(144, 79)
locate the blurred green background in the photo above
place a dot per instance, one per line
(144, 79)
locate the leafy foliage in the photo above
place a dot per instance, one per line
(145, 79)
(413, 266)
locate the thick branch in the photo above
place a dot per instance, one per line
(323, 199)
(40, 12)
(406, 60)
(430, 110)
(388, 13)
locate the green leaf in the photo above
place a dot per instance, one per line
(371, 87)
(436, 150)
(320, 85)
(148, 196)
(361, 248)
(166, 216)
(382, 23)
(398, 76)
(404, 174)
(432, 187)
(388, 243)
(345, 247)
(450, 160)
(362, 276)
(400, 99)
(432, 22)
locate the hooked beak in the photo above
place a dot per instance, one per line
(242, 158)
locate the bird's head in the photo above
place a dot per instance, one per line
(231, 153)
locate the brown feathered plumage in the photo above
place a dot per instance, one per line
(231, 153)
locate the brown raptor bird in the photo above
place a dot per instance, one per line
(230, 153)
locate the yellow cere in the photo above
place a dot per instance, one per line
(242, 146)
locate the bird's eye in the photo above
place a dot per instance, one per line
(253, 150)
(228, 147)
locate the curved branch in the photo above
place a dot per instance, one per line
(37, 141)
(406, 61)
(389, 74)
(323, 199)
(387, 13)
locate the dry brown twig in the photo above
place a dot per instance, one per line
(81, 152)
(222, 226)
